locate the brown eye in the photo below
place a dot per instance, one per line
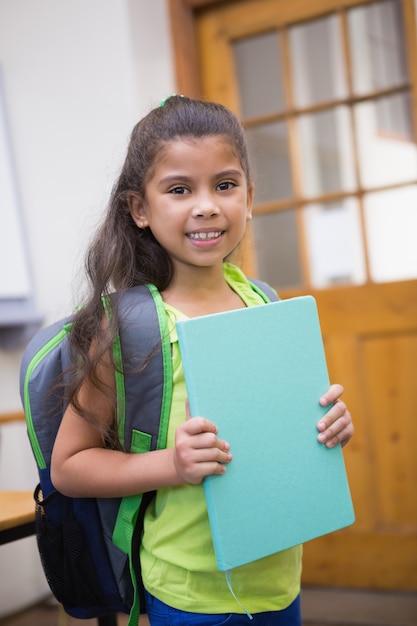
(226, 185)
(179, 190)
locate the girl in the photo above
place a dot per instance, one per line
(178, 210)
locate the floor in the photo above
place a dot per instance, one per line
(321, 607)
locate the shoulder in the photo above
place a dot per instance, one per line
(251, 287)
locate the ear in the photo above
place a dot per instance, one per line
(136, 208)
(249, 201)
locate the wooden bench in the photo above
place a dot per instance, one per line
(17, 514)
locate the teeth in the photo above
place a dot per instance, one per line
(204, 236)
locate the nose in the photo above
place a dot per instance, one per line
(205, 206)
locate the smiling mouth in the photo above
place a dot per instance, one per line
(204, 236)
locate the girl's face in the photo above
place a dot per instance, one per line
(197, 201)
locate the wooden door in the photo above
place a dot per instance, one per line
(327, 92)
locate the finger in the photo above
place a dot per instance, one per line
(203, 470)
(207, 455)
(208, 440)
(341, 437)
(218, 469)
(198, 425)
(337, 411)
(331, 395)
(331, 443)
(346, 434)
(329, 437)
(338, 431)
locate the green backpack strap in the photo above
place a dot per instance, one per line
(124, 538)
(142, 354)
(267, 293)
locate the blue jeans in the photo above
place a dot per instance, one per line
(161, 614)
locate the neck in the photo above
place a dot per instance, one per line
(201, 293)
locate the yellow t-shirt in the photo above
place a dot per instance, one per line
(177, 555)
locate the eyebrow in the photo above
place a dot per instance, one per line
(187, 179)
(231, 172)
(174, 178)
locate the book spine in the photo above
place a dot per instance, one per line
(222, 565)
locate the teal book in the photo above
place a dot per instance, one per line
(258, 373)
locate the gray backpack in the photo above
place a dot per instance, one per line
(89, 547)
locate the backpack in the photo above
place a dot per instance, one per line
(89, 547)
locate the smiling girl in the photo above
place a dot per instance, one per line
(178, 210)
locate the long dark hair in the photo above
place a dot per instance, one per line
(122, 255)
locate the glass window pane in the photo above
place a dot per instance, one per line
(391, 226)
(269, 155)
(317, 65)
(387, 152)
(377, 46)
(326, 153)
(277, 249)
(258, 63)
(333, 235)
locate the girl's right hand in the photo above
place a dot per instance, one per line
(198, 451)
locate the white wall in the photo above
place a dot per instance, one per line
(77, 74)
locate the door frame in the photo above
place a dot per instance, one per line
(182, 14)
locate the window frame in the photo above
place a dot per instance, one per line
(184, 16)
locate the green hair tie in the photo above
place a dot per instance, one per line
(162, 103)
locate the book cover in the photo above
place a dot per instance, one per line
(258, 373)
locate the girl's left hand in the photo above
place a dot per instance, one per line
(336, 426)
